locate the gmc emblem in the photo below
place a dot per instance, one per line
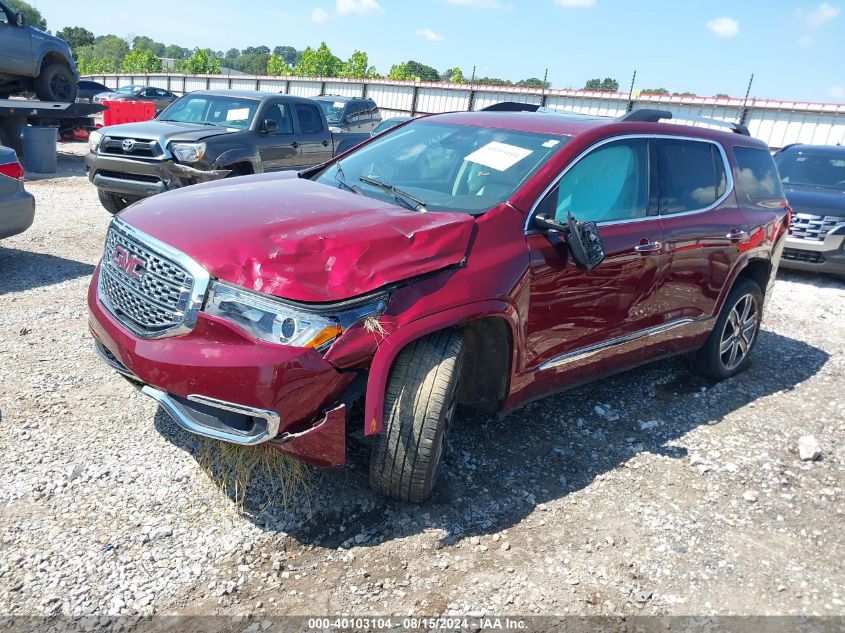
(127, 262)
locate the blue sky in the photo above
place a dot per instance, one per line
(795, 49)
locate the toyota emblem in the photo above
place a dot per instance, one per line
(127, 145)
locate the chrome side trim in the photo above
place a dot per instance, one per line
(728, 173)
(585, 352)
(183, 417)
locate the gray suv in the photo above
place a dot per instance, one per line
(34, 61)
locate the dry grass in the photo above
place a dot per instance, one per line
(274, 478)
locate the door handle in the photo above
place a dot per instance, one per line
(294, 145)
(737, 235)
(645, 248)
(325, 143)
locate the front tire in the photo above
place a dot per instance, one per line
(728, 349)
(112, 202)
(422, 393)
(56, 83)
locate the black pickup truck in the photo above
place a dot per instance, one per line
(207, 135)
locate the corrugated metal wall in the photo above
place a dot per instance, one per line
(776, 122)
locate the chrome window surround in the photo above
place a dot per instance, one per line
(201, 277)
(590, 350)
(728, 188)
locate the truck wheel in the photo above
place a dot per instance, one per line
(56, 83)
(112, 202)
(422, 392)
(728, 349)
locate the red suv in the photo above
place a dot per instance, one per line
(480, 259)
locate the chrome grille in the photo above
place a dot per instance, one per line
(112, 145)
(805, 226)
(808, 257)
(149, 292)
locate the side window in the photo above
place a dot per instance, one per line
(309, 119)
(608, 184)
(280, 113)
(353, 112)
(691, 175)
(757, 174)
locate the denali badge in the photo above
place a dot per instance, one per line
(127, 262)
(127, 145)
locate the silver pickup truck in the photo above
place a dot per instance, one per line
(34, 61)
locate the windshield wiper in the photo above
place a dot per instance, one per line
(340, 177)
(191, 122)
(408, 200)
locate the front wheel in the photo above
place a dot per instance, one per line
(112, 202)
(422, 392)
(728, 349)
(56, 83)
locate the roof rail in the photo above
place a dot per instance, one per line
(650, 115)
(511, 106)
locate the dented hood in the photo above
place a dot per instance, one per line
(300, 240)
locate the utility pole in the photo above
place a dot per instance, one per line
(631, 93)
(472, 80)
(743, 111)
(545, 84)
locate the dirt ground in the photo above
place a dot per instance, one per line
(653, 492)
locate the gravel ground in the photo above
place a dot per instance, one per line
(653, 492)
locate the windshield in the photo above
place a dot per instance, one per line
(815, 170)
(332, 109)
(229, 112)
(449, 167)
(127, 90)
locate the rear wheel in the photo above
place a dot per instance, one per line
(112, 202)
(728, 349)
(419, 406)
(56, 83)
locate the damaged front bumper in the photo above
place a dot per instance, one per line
(138, 178)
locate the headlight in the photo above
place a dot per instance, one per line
(188, 152)
(275, 321)
(94, 139)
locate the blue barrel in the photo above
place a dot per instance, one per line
(39, 148)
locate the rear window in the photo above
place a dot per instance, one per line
(757, 174)
(692, 175)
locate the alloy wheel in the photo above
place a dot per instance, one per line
(738, 334)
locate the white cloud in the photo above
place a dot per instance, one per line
(320, 15)
(359, 7)
(576, 4)
(430, 35)
(837, 92)
(823, 13)
(478, 4)
(806, 41)
(724, 27)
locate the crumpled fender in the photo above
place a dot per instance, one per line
(199, 174)
(390, 347)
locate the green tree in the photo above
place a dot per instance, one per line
(413, 71)
(141, 60)
(318, 63)
(177, 52)
(532, 82)
(684, 94)
(655, 91)
(202, 62)
(493, 81)
(76, 36)
(257, 50)
(145, 43)
(722, 95)
(104, 56)
(593, 84)
(356, 67)
(33, 15)
(610, 85)
(231, 55)
(289, 54)
(277, 66)
(252, 63)
(456, 76)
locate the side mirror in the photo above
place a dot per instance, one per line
(269, 126)
(582, 238)
(20, 19)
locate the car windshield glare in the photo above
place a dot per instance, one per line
(463, 168)
(814, 170)
(228, 112)
(332, 109)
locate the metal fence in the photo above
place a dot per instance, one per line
(778, 123)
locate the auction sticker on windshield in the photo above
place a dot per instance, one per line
(498, 156)
(239, 114)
